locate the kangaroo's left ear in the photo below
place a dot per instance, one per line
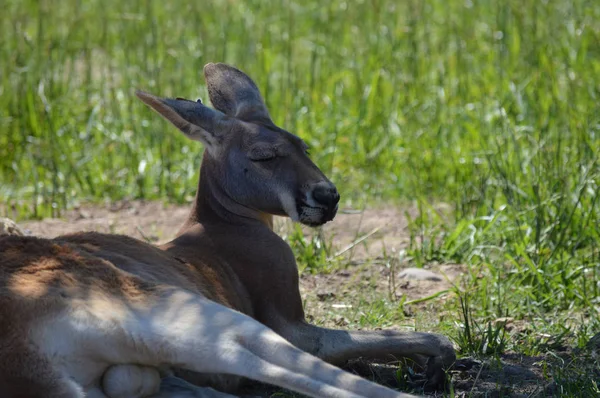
(195, 120)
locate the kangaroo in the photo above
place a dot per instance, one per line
(100, 315)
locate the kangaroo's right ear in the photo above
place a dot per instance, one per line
(195, 120)
(234, 93)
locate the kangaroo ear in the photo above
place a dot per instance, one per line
(195, 120)
(232, 92)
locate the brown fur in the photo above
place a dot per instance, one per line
(41, 277)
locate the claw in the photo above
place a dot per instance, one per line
(438, 365)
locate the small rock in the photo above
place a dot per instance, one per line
(420, 274)
(9, 227)
(464, 364)
(322, 296)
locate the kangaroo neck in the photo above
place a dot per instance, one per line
(213, 206)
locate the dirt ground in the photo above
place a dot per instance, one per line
(386, 231)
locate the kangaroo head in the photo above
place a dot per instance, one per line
(254, 163)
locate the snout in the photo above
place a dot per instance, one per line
(326, 195)
(320, 204)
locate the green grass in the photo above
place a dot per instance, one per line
(491, 107)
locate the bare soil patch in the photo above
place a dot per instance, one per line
(152, 221)
(159, 222)
(367, 274)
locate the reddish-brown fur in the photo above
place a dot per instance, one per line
(40, 277)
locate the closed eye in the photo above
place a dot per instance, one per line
(262, 154)
(264, 159)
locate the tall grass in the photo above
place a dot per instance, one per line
(489, 106)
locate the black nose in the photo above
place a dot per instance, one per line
(326, 195)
